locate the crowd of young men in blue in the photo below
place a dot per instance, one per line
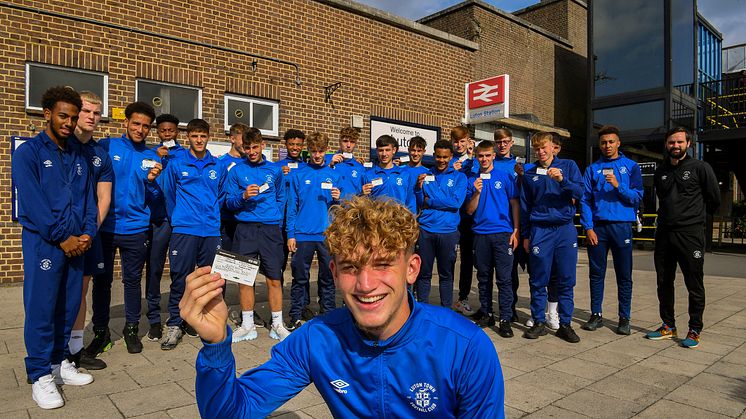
(187, 204)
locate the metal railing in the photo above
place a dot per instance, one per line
(723, 103)
(726, 230)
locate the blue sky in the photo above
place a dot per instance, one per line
(727, 15)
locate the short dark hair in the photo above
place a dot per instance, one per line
(444, 145)
(251, 136)
(139, 107)
(198, 125)
(607, 130)
(675, 130)
(385, 140)
(418, 142)
(486, 145)
(501, 133)
(60, 94)
(166, 117)
(294, 133)
(459, 132)
(238, 128)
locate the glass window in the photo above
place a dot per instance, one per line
(736, 59)
(631, 117)
(258, 113)
(682, 42)
(184, 102)
(628, 45)
(40, 77)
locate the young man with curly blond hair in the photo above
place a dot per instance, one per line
(380, 346)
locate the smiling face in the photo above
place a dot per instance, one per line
(415, 154)
(61, 120)
(443, 158)
(677, 145)
(376, 293)
(294, 147)
(461, 146)
(138, 127)
(317, 156)
(254, 151)
(545, 152)
(385, 154)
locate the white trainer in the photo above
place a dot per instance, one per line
(45, 393)
(66, 373)
(530, 322)
(553, 320)
(278, 332)
(243, 332)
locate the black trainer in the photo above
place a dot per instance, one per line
(307, 314)
(539, 329)
(623, 327)
(131, 340)
(155, 333)
(293, 324)
(101, 341)
(593, 323)
(487, 320)
(258, 321)
(83, 360)
(566, 333)
(189, 330)
(504, 330)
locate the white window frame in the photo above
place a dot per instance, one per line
(182, 124)
(252, 100)
(104, 97)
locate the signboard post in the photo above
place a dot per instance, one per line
(487, 100)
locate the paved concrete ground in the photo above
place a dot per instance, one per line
(605, 375)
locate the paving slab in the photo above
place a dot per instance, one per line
(151, 399)
(708, 400)
(597, 405)
(665, 409)
(94, 408)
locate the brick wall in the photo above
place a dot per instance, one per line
(384, 70)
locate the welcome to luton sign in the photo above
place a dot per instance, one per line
(487, 100)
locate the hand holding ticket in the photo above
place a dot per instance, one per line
(485, 176)
(377, 181)
(170, 143)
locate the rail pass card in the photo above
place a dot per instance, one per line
(235, 268)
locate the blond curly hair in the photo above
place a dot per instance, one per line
(362, 227)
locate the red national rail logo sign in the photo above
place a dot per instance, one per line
(487, 99)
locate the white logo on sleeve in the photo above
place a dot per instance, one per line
(423, 397)
(308, 181)
(626, 241)
(664, 177)
(535, 178)
(185, 174)
(339, 386)
(45, 264)
(174, 252)
(96, 161)
(268, 178)
(47, 163)
(213, 175)
(697, 254)
(117, 158)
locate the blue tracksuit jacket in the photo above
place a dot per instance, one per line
(546, 202)
(397, 184)
(157, 205)
(228, 162)
(351, 172)
(129, 213)
(414, 173)
(438, 365)
(440, 213)
(193, 192)
(55, 190)
(265, 208)
(99, 163)
(506, 164)
(603, 202)
(493, 214)
(308, 204)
